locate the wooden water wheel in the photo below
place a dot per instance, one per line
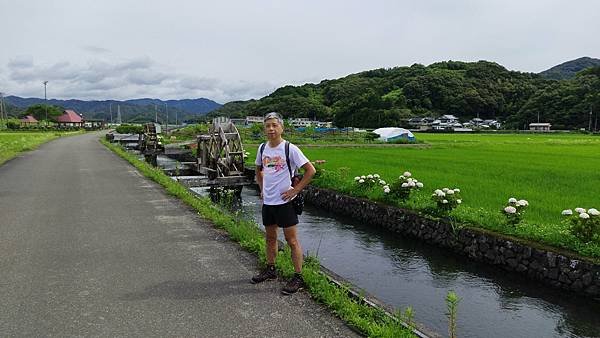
(149, 142)
(220, 152)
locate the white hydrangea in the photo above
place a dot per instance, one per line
(401, 177)
(376, 175)
(580, 210)
(445, 201)
(593, 212)
(404, 185)
(411, 184)
(456, 190)
(512, 200)
(567, 212)
(363, 177)
(386, 187)
(440, 193)
(458, 201)
(407, 174)
(357, 178)
(386, 190)
(369, 176)
(445, 189)
(584, 215)
(450, 192)
(522, 203)
(382, 182)
(361, 181)
(419, 184)
(510, 210)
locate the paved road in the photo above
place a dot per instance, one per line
(88, 247)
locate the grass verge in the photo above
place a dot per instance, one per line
(370, 321)
(13, 143)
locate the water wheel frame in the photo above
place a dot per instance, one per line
(220, 152)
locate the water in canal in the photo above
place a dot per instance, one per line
(406, 272)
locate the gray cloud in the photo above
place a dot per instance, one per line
(95, 49)
(244, 49)
(23, 61)
(137, 77)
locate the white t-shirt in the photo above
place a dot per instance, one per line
(276, 176)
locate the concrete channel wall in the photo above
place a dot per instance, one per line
(556, 269)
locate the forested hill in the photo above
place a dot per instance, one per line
(137, 110)
(567, 70)
(388, 97)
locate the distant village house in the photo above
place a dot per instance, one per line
(539, 126)
(69, 119)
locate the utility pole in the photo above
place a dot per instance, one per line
(590, 124)
(119, 115)
(155, 114)
(46, 101)
(2, 106)
(167, 112)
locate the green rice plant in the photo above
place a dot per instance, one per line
(552, 170)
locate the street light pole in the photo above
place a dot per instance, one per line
(46, 101)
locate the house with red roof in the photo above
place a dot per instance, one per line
(29, 121)
(69, 119)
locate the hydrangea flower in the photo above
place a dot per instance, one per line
(512, 200)
(567, 212)
(584, 215)
(407, 174)
(580, 210)
(510, 210)
(361, 181)
(593, 212)
(522, 203)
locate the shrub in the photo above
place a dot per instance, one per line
(584, 224)
(405, 184)
(367, 182)
(514, 210)
(129, 129)
(446, 199)
(13, 125)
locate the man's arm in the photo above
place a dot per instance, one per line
(259, 179)
(309, 172)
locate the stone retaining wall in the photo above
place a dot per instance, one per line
(554, 269)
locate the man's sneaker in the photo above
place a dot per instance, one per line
(268, 273)
(294, 285)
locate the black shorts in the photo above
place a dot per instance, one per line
(283, 215)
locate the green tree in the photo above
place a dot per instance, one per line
(39, 111)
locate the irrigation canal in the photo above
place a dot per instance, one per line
(405, 272)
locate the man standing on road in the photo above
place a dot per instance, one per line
(275, 182)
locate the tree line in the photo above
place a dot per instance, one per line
(389, 97)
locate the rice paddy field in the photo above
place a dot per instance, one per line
(12, 143)
(552, 171)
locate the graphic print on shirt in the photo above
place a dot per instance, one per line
(275, 163)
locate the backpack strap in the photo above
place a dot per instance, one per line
(262, 148)
(287, 158)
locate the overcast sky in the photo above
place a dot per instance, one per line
(236, 50)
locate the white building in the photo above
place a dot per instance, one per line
(540, 126)
(253, 119)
